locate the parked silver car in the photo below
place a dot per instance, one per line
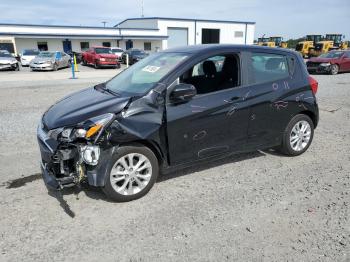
(7, 61)
(50, 61)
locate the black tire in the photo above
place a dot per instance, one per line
(334, 69)
(122, 151)
(96, 65)
(84, 62)
(55, 67)
(286, 147)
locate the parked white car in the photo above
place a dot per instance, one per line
(28, 55)
(118, 52)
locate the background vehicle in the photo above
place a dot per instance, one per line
(306, 47)
(100, 56)
(338, 42)
(276, 41)
(46, 60)
(27, 56)
(164, 112)
(135, 55)
(77, 56)
(118, 52)
(332, 62)
(8, 61)
(262, 40)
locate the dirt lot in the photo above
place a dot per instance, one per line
(251, 207)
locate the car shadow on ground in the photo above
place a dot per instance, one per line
(97, 194)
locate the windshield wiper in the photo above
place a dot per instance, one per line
(103, 87)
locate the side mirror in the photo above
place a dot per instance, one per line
(182, 93)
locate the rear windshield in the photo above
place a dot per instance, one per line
(30, 52)
(103, 51)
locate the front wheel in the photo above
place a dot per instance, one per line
(132, 172)
(96, 65)
(298, 135)
(334, 69)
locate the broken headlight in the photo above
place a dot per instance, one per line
(88, 128)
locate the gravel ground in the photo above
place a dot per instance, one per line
(249, 207)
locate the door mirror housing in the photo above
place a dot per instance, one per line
(182, 93)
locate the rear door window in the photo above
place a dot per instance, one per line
(268, 67)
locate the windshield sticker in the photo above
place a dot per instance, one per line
(150, 69)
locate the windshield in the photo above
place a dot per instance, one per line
(5, 54)
(332, 55)
(103, 51)
(46, 54)
(142, 76)
(137, 52)
(30, 52)
(117, 50)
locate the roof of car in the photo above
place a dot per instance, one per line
(193, 49)
(96, 46)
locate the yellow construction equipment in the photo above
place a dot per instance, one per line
(262, 40)
(276, 41)
(330, 42)
(338, 42)
(308, 45)
(322, 47)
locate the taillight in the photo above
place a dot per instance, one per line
(313, 84)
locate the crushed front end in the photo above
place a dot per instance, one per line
(70, 155)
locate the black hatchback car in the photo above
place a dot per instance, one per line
(176, 108)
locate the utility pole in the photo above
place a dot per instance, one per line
(104, 23)
(142, 8)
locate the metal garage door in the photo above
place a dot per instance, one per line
(177, 37)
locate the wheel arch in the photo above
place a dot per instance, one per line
(153, 146)
(312, 115)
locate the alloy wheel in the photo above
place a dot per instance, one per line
(300, 135)
(130, 174)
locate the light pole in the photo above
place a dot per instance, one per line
(104, 23)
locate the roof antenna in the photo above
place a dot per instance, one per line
(142, 15)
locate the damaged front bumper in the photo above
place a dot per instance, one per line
(66, 164)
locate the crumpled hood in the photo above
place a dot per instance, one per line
(81, 106)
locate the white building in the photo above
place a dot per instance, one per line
(150, 34)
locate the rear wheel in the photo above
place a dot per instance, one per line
(298, 135)
(55, 67)
(334, 69)
(83, 61)
(132, 172)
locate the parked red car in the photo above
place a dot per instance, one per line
(332, 63)
(100, 56)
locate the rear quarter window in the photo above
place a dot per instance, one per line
(268, 67)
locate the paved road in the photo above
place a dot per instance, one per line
(250, 207)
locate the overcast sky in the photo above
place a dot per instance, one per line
(290, 19)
